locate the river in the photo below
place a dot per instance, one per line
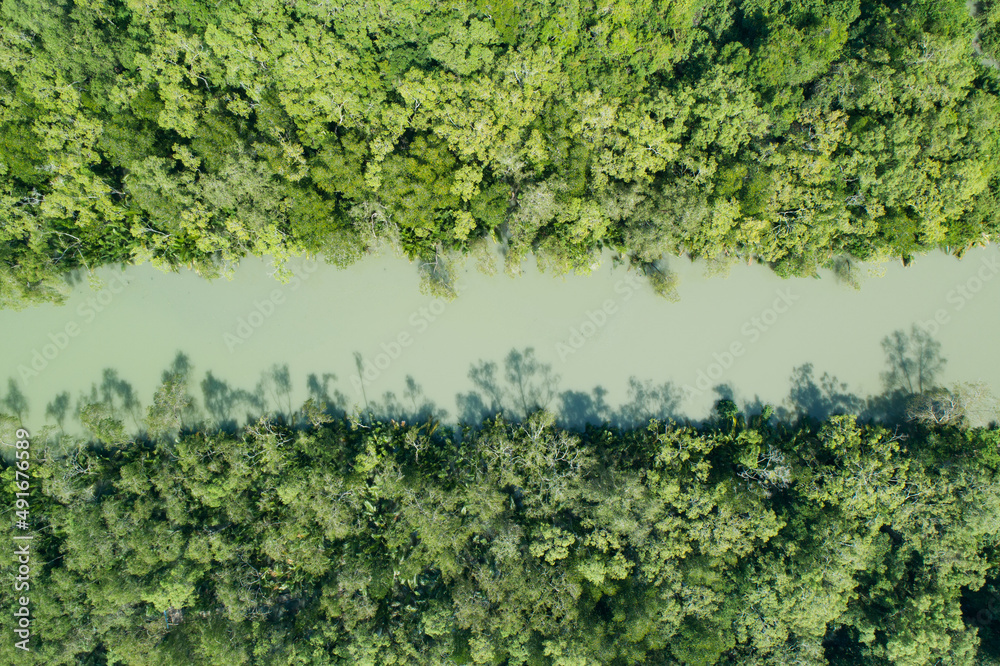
(589, 348)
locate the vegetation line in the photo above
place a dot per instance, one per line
(745, 540)
(799, 135)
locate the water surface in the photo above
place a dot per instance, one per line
(590, 348)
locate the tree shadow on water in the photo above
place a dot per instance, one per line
(523, 385)
(58, 409)
(329, 400)
(180, 367)
(222, 402)
(15, 401)
(114, 395)
(578, 408)
(515, 387)
(820, 398)
(913, 362)
(647, 400)
(111, 412)
(412, 405)
(276, 385)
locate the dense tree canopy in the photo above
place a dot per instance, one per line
(745, 540)
(195, 132)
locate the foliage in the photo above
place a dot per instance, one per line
(196, 133)
(747, 540)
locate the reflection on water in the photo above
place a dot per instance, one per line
(514, 388)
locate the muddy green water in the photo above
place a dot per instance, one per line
(589, 348)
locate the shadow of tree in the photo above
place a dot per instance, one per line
(74, 277)
(222, 402)
(819, 399)
(115, 395)
(577, 408)
(15, 401)
(413, 406)
(533, 384)
(526, 385)
(319, 388)
(516, 387)
(179, 367)
(174, 409)
(58, 409)
(913, 363)
(276, 386)
(648, 400)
